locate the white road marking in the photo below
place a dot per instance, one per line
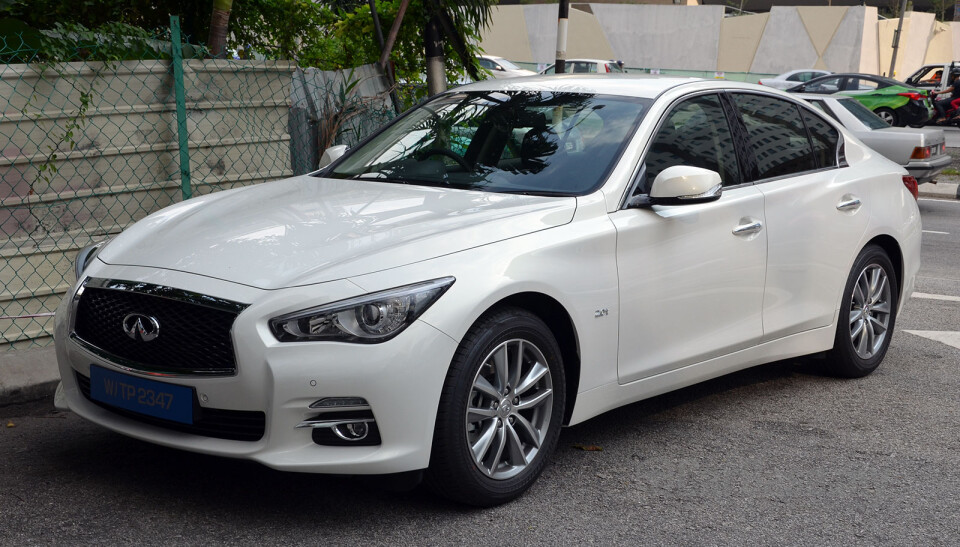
(935, 232)
(946, 337)
(942, 200)
(935, 297)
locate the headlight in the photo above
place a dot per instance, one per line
(367, 319)
(86, 256)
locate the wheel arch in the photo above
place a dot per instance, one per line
(558, 320)
(892, 248)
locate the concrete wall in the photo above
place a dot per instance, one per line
(676, 37)
(838, 38)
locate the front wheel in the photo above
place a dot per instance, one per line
(500, 410)
(867, 316)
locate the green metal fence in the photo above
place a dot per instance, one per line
(89, 147)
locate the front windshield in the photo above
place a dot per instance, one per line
(536, 142)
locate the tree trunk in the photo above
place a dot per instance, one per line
(436, 73)
(219, 22)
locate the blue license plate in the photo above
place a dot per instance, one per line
(157, 399)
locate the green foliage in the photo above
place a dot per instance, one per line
(283, 29)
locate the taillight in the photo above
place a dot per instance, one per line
(922, 152)
(911, 184)
(608, 67)
(911, 95)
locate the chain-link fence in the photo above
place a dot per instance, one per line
(89, 147)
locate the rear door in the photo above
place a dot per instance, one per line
(813, 211)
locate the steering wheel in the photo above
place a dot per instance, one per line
(423, 154)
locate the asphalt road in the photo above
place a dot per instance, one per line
(775, 455)
(952, 135)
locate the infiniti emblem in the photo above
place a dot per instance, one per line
(141, 327)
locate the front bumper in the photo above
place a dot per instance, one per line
(927, 170)
(401, 379)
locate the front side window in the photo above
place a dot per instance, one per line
(530, 142)
(777, 134)
(695, 133)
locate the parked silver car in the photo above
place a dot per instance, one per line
(922, 151)
(793, 78)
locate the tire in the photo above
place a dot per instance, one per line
(506, 432)
(867, 316)
(888, 115)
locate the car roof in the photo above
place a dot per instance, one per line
(627, 85)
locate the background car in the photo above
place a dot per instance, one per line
(501, 68)
(793, 78)
(922, 151)
(893, 101)
(588, 66)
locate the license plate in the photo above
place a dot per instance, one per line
(157, 399)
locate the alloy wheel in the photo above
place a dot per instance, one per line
(510, 409)
(870, 307)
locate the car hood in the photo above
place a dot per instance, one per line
(307, 230)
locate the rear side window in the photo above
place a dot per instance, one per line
(778, 137)
(824, 136)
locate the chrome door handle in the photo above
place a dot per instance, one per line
(849, 204)
(748, 229)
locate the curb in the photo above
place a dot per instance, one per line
(28, 375)
(940, 190)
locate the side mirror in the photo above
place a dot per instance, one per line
(331, 155)
(683, 185)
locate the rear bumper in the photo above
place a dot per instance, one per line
(927, 170)
(913, 113)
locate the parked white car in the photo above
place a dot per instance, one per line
(921, 151)
(501, 68)
(793, 78)
(505, 259)
(587, 66)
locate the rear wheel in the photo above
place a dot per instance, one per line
(867, 316)
(500, 410)
(888, 115)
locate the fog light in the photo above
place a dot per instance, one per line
(353, 431)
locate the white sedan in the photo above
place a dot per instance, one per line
(793, 78)
(506, 259)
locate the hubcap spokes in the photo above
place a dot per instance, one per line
(509, 410)
(870, 309)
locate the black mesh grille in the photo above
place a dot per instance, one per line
(192, 338)
(234, 425)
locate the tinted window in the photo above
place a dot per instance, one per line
(862, 84)
(778, 137)
(543, 143)
(829, 85)
(695, 133)
(824, 137)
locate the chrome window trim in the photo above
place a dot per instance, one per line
(160, 291)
